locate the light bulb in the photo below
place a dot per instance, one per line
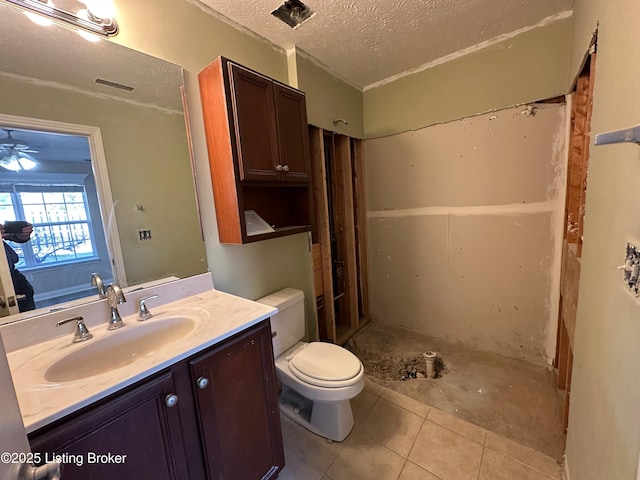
(26, 163)
(100, 8)
(40, 19)
(84, 34)
(10, 162)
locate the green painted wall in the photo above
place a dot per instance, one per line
(182, 33)
(130, 133)
(329, 97)
(528, 67)
(603, 441)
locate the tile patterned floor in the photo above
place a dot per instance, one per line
(398, 438)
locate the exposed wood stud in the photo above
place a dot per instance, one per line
(322, 209)
(344, 179)
(360, 206)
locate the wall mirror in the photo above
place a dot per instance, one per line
(51, 77)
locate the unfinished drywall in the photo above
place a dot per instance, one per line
(465, 225)
(603, 440)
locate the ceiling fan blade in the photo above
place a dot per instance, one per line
(23, 154)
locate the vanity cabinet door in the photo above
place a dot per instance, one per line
(143, 435)
(237, 404)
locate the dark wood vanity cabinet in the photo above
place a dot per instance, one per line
(239, 377)
(175, 426)
(259, 155)
(145, 437)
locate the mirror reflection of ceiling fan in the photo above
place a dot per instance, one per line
(15, 153)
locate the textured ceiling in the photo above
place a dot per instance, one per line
(368, 41)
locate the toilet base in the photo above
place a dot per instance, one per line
(332, 420)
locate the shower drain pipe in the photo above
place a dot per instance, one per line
(430, 358)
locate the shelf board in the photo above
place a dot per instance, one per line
(278, 232)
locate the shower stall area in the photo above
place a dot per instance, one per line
(465, 236)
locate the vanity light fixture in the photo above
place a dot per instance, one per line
(95, 16)
(39, 19)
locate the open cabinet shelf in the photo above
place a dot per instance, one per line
(258, 144)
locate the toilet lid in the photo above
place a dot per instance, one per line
(325, 364)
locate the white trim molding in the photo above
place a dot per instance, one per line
(100, 172)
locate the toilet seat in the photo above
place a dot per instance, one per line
(325, 365)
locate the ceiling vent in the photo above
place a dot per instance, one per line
(293, 12)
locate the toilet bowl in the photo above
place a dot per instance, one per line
(318, 379)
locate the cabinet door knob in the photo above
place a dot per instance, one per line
(279, 168)
(202, 383)
(171, 400)
(285, 168)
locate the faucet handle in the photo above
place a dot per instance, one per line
(81, 333)
(144, 313)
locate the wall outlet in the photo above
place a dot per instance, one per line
(631, 269)
(144, 235)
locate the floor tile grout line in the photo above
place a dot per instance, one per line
(524, 463)
(415, 439)
(429, 407)
(458, 433)
(343, 446)
(402, 469)
(481, 461)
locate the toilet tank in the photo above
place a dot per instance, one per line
(288, 324)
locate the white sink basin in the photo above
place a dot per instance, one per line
(119, 348)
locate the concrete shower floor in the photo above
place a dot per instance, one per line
(507, 396)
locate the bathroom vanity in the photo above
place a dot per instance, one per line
(196, 397)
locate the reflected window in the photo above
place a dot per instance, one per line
(61, 220)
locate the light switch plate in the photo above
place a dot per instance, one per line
(144, 235)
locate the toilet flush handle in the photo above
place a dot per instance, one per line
(273, 334)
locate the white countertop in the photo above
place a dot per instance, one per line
(219, 316)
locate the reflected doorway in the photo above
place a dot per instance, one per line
(48, 178)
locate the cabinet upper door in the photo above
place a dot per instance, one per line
(293, 134)
(256, 135)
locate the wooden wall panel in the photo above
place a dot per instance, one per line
(360, 206)
(322, 211)
(346, 225)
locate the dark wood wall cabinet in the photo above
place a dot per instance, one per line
(213, 416)
(258, 143)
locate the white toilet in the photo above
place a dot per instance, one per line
(318, 379)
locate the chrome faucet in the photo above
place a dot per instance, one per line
(115, 297)
(143, 312)
(81, 333)
(96, 281)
